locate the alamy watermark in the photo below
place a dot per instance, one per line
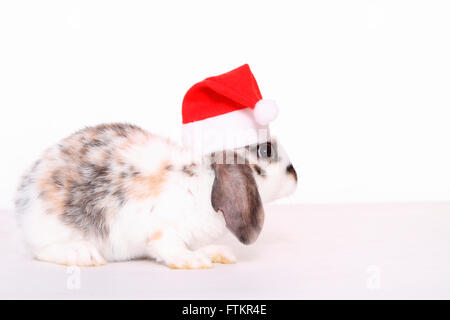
(373, 280)
(73, 281)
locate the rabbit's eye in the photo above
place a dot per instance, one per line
(266, 151)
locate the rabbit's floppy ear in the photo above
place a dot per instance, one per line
(236, 195)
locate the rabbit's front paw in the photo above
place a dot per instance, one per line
(190, 260)
(165, 246)
(218, 254)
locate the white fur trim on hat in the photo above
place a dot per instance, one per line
(228, 131)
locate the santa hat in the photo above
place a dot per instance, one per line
(226, 112)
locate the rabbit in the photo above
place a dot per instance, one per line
(115, 192)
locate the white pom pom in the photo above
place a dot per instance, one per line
(265, 111)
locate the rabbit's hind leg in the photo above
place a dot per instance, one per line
(75, 253)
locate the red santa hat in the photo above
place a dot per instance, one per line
(226, 112)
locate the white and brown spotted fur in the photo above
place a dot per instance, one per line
(116, 192)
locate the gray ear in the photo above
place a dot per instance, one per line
(236, 195)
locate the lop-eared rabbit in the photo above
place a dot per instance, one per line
(116, 192)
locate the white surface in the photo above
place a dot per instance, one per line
(305, 251)
(362, 86)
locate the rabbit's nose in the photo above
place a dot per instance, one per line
(290, 170)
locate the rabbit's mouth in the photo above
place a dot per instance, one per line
(291, 171)
(289, 185)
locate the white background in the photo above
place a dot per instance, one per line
(363, 86)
